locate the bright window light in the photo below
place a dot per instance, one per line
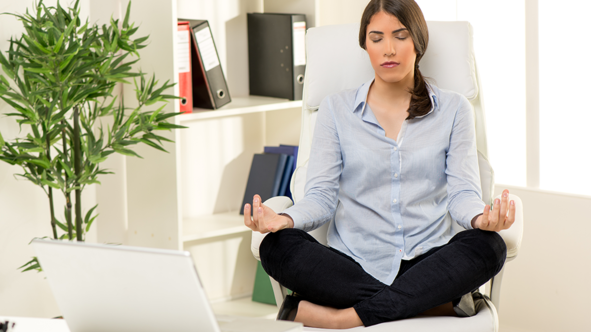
(565, 113)
(499, 46)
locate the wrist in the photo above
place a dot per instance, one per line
(288, 220)
(475, 220)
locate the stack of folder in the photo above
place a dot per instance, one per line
(270, 173)
(201, 79)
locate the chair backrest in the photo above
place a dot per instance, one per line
(448, 63)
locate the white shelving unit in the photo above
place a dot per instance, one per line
(189, 198)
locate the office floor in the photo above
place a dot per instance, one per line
(245, 307)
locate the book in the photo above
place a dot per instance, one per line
(210, 89)
(263, 290)
(264, 178)
(291, 150)
(284, 188)
(295, 154)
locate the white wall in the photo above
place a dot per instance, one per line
(545, 288)
(24, 208)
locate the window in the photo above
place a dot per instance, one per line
(499, 45)
(565, 112)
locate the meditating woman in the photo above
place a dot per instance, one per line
(392, 165)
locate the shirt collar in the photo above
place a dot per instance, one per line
(362, 92)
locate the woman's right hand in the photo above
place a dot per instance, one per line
(264, 219)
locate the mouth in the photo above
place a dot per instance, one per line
(390, 64)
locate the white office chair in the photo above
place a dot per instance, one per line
(336, 62)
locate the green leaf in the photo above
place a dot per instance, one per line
(96, 159)
(152, 144)
(2, 142)
(33, 264)
(167, 126)
(60, 225)
(126, 19)
(51, 184)
(38, 70)
(90, 223)
(59, 43)
(127, 152)
(88, 214)
(73, 188)
(34, 150)
(8, 72)
(66, 168)
(30, 41)
(40, 162)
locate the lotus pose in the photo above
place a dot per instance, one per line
(392, 165)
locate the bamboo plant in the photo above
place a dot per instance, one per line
(59, 77)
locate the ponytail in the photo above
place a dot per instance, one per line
(420, 101)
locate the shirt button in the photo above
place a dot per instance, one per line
(399, 227)
(394, 201)
(395, 148)
(396, 175)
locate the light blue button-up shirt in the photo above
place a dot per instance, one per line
(387, 201)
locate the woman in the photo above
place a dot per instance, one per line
(394, 162)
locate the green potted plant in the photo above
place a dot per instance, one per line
(59, 77)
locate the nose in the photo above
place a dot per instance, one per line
(390, 49)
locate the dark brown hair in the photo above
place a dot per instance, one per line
(410, 15)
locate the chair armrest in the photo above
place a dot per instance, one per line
(277, 204)
(514, 234)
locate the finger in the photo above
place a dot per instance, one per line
(493, 217)
(263, 224)
(255, 207)
(511, 217)
(504, 206)
(485, 215)
(247, 220)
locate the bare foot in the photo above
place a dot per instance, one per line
(446, 309)
(314, 315)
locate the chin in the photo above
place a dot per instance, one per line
(392, 77)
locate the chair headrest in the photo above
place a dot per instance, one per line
(336, 62)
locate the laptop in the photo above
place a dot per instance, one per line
(101, 288)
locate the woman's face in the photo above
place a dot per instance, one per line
(391, 49)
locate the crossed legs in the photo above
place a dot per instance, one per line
(341, 294)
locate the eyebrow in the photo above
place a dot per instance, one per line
(395, 31)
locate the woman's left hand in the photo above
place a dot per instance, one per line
(502, 215)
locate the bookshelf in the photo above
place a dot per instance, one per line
(188, 199)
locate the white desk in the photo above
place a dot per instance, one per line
(419, 324)
(28, 324)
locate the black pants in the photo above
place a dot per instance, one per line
(328, 277)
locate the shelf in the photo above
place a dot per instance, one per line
(245, 307)
(206, 227)
(242, 105)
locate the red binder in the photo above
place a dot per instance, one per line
(184, 66)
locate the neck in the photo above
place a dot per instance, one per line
(393, 92)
